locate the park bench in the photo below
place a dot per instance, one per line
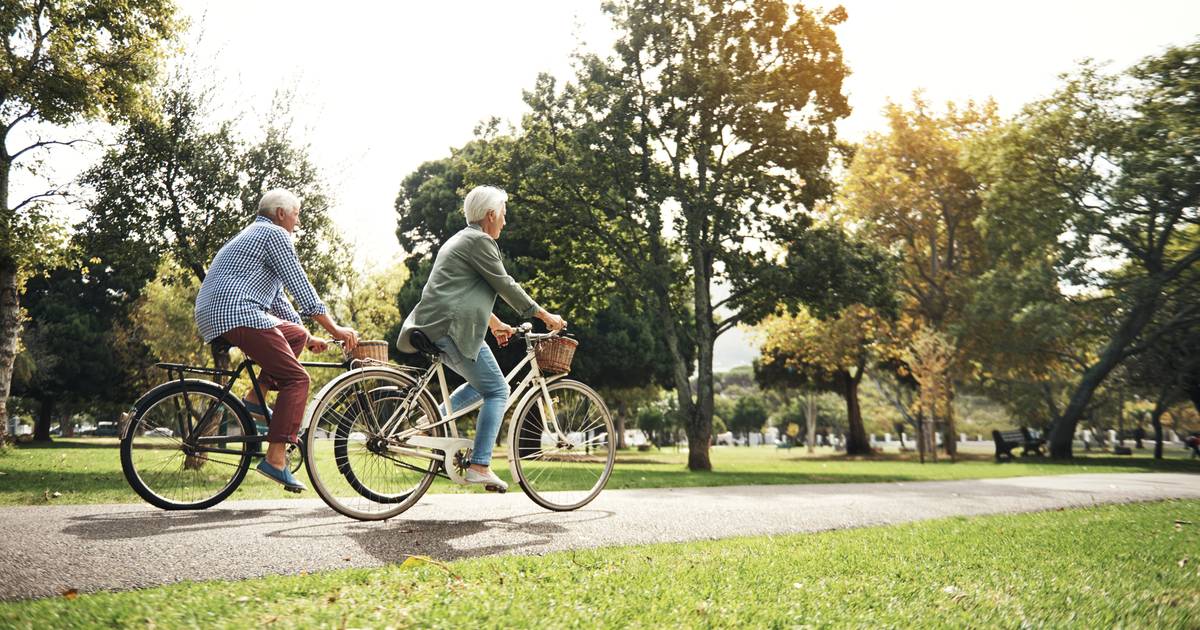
(1006, 441)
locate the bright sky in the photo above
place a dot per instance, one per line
(384, 86)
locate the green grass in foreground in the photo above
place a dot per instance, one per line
(88, 470)
(1131, 565)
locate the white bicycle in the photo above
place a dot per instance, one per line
(376, 438)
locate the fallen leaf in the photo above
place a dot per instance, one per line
(70, 594)
(346, 558)
(1182, 562)
(56, 495)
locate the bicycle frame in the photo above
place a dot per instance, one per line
(196, 440)
(533, 383)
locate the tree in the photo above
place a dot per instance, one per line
(912, 192)
(667, 167)
(830, 355)
(1169, 363)
(929, 357)
(749, 415)
(74, 357)
(1107, 168)
(64, 62)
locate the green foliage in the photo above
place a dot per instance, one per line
(180, 183)
(749, 415)
(165, 321)
(63, 62)
(67, 60)
(1105, 169)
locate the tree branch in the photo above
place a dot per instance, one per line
(54, 192)
(46, 143)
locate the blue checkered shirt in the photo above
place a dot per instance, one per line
(244, 285)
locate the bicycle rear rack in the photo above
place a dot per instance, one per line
(182, 369)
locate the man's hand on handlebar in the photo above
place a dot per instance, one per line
(347, 336)
(316, 344)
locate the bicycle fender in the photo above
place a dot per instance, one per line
(139, 404)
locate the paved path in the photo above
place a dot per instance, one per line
(47, 550)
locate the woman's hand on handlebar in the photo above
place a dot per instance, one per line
(552, 321)
(502, 332)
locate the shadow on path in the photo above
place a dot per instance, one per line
(396, 540)
(143, 524)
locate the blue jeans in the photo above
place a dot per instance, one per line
(484, 379)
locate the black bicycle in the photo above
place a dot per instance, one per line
(189, 442)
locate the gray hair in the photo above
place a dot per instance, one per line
(480, 200)
(277, 198)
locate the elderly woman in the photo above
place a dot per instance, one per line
(456, 304)
(241, 301)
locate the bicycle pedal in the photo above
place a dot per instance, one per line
(293, 490)
(497, 489)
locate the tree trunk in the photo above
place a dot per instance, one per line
(699, 423)
(920, 425)
(41, 428)
(810, 419)
(1062, 434)
(622, 410)
(856, 437)
(1193, 391)
(949, 431)
(681, 369)
(10, 328)
(1160, 407)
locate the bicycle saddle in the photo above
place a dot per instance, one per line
(422, 343)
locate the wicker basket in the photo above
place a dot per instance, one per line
(371, 350)
(555, 353)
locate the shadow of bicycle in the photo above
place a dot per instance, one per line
(143, 524)
(450, 539)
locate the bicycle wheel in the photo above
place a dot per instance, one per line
(563, 467)
(166, 472)
(349, 460)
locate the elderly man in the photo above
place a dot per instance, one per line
(241, 301)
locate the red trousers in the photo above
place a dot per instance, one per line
(275, 351)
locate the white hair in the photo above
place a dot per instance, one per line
(277, 198)
(480, 200)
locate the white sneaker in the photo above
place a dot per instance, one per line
(490, 481)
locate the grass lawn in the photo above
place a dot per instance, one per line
(88, 470)
(1134, 565)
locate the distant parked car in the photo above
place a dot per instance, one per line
(106, 429)
(161, 432)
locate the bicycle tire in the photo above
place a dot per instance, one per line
(135, 439)
(532, 469)
(339, 414)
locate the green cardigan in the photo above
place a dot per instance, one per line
(458, 298)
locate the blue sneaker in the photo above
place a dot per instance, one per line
(283, 477)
